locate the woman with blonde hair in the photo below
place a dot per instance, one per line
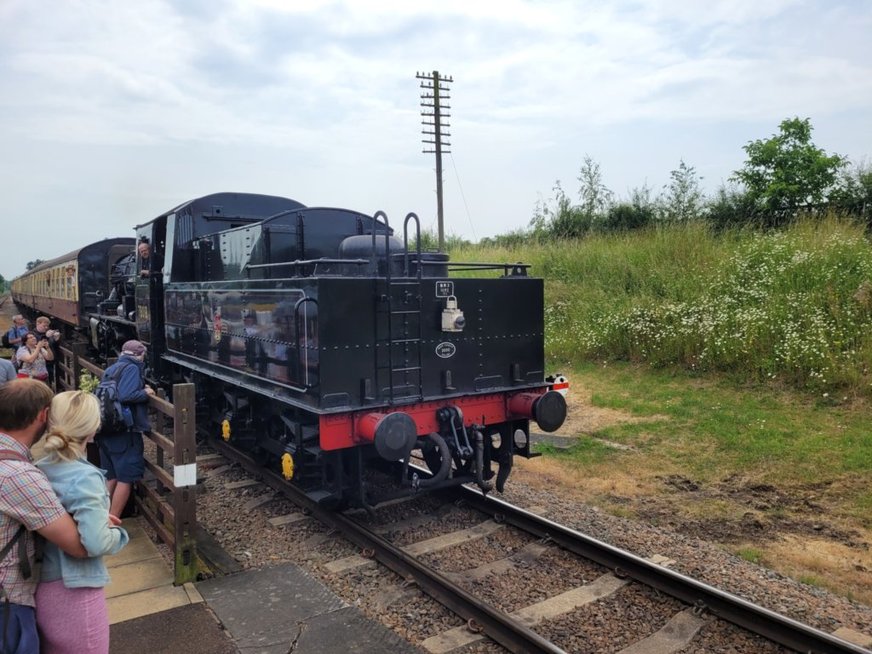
(70, 607)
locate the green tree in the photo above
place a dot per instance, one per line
(683, 198)
(853, 192)
(33, 264)
(787, 172)
(595, 196)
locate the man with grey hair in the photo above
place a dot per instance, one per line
(14, 338)
(17, 332)
(121, 453)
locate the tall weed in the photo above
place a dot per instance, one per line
(794, 305)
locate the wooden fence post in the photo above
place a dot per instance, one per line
(78, 350)
(184, 480)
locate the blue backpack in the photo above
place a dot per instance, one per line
(114, 416)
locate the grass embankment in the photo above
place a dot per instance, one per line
(738, 365)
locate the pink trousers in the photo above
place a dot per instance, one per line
(71, 620)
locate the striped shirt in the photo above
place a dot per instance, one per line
(26, 498)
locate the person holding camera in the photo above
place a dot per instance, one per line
(44, 330)
(33, 357)
(45, 333)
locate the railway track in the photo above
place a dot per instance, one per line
(685, 607)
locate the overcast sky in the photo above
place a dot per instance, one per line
(112, 112)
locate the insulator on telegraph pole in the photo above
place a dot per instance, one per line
(435, 112)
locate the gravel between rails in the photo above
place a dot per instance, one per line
(382, 596)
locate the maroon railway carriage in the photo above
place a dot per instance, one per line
(69, 288)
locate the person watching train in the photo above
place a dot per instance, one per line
(121, 454)
(44, 332)
(17, 332)
(33, 357)
(27, 504)
(149, 262)
(71, 613)
(14, 336)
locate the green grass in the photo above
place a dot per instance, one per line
(584, 451)
(752, 554)
(811, 580)
(793, 307)
(710, 428)
(739, 352)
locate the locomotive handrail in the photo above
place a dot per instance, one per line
(374, 260)
(409, 217)
(460, 266)
(485, 264)
(299, 303)
(301, 262)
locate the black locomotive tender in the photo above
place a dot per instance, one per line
(319, 342)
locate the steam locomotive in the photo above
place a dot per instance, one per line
(320, 341)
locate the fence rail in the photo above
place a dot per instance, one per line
(168, 501)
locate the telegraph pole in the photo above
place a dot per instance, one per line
(434, 120)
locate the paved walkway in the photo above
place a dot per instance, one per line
(142, 583)
(269, 611)
(147, 614)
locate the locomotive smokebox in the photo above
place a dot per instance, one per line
(548, 410)
(393, 435)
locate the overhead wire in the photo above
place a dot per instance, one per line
(463, 196)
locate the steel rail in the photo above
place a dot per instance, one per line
(749, 616)
(496, 624)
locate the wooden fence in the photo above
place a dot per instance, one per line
(168, 501)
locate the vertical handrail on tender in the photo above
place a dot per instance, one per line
(390, 285)
(419, 299)
(374, 266)
(412, 216)
(304, 378)
(390, 339)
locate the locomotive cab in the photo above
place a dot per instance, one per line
(148, 288)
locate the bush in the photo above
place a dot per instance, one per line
(731, 208)
(625, 216)
(853, 194)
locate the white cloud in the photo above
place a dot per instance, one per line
(273, 94)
